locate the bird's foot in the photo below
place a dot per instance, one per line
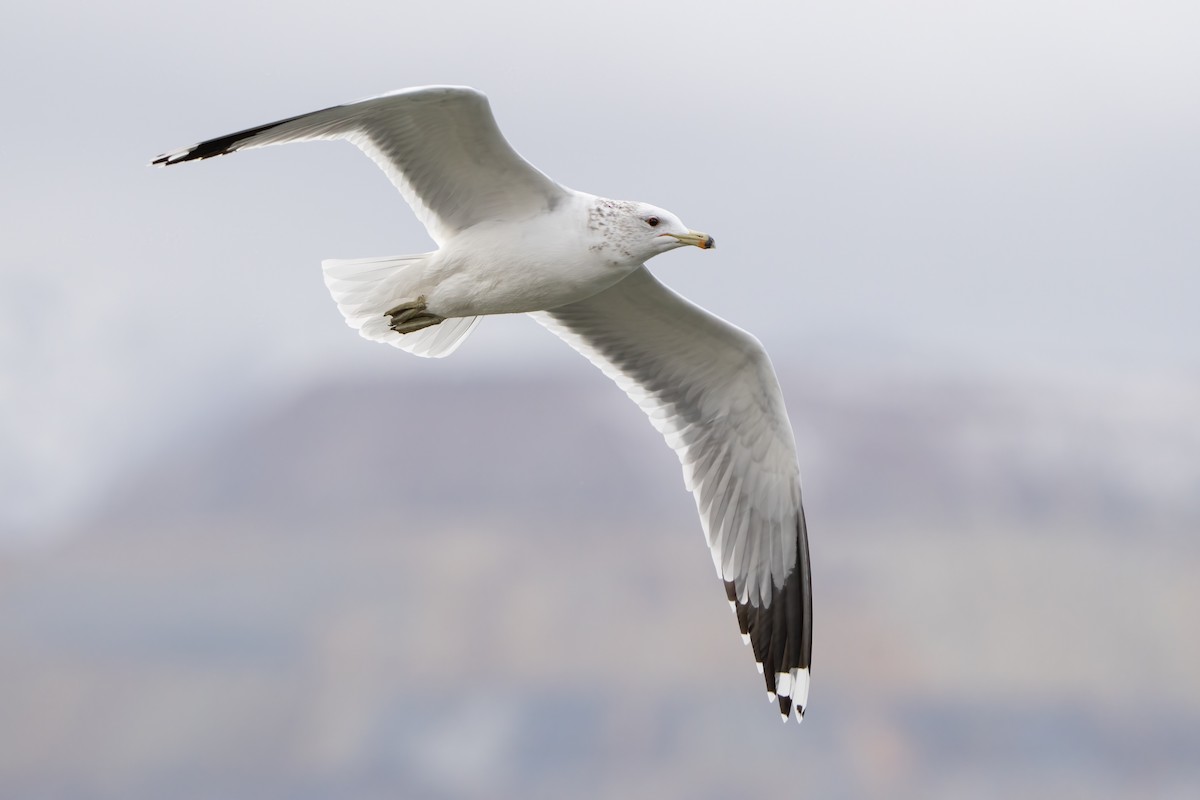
(411, 316)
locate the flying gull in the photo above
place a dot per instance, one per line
(511, 240)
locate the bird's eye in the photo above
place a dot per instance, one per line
(653, 221)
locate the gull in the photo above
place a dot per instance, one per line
(511, 240)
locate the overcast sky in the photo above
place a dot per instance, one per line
(961, 185)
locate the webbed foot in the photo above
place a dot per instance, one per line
(411, 316)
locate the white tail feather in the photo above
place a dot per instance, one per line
(365, 288)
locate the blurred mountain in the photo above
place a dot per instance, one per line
(498, 588)
(872, 447)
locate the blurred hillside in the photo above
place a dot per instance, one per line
(498, 588)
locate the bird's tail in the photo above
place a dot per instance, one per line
(365, 288)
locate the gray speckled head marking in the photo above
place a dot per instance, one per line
(614, 223)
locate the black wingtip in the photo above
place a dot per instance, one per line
(213, 147)
(780, 632)
(187, 154)
(223, 145)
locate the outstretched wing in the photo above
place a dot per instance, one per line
(439, 145)
(709, 388)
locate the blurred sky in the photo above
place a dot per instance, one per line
(985, 187)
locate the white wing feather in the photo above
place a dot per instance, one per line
(709, 388)
(439, 145)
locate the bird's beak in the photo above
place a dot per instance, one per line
(701, 240)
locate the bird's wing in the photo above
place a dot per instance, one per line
(709, 388)
(439, 145)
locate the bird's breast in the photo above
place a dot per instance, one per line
(509, 268)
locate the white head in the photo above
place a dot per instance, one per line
(634, 232)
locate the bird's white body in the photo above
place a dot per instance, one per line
(515, 266)
(510, 240)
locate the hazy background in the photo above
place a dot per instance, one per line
(244, 552)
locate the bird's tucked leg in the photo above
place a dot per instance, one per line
(411, 316)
